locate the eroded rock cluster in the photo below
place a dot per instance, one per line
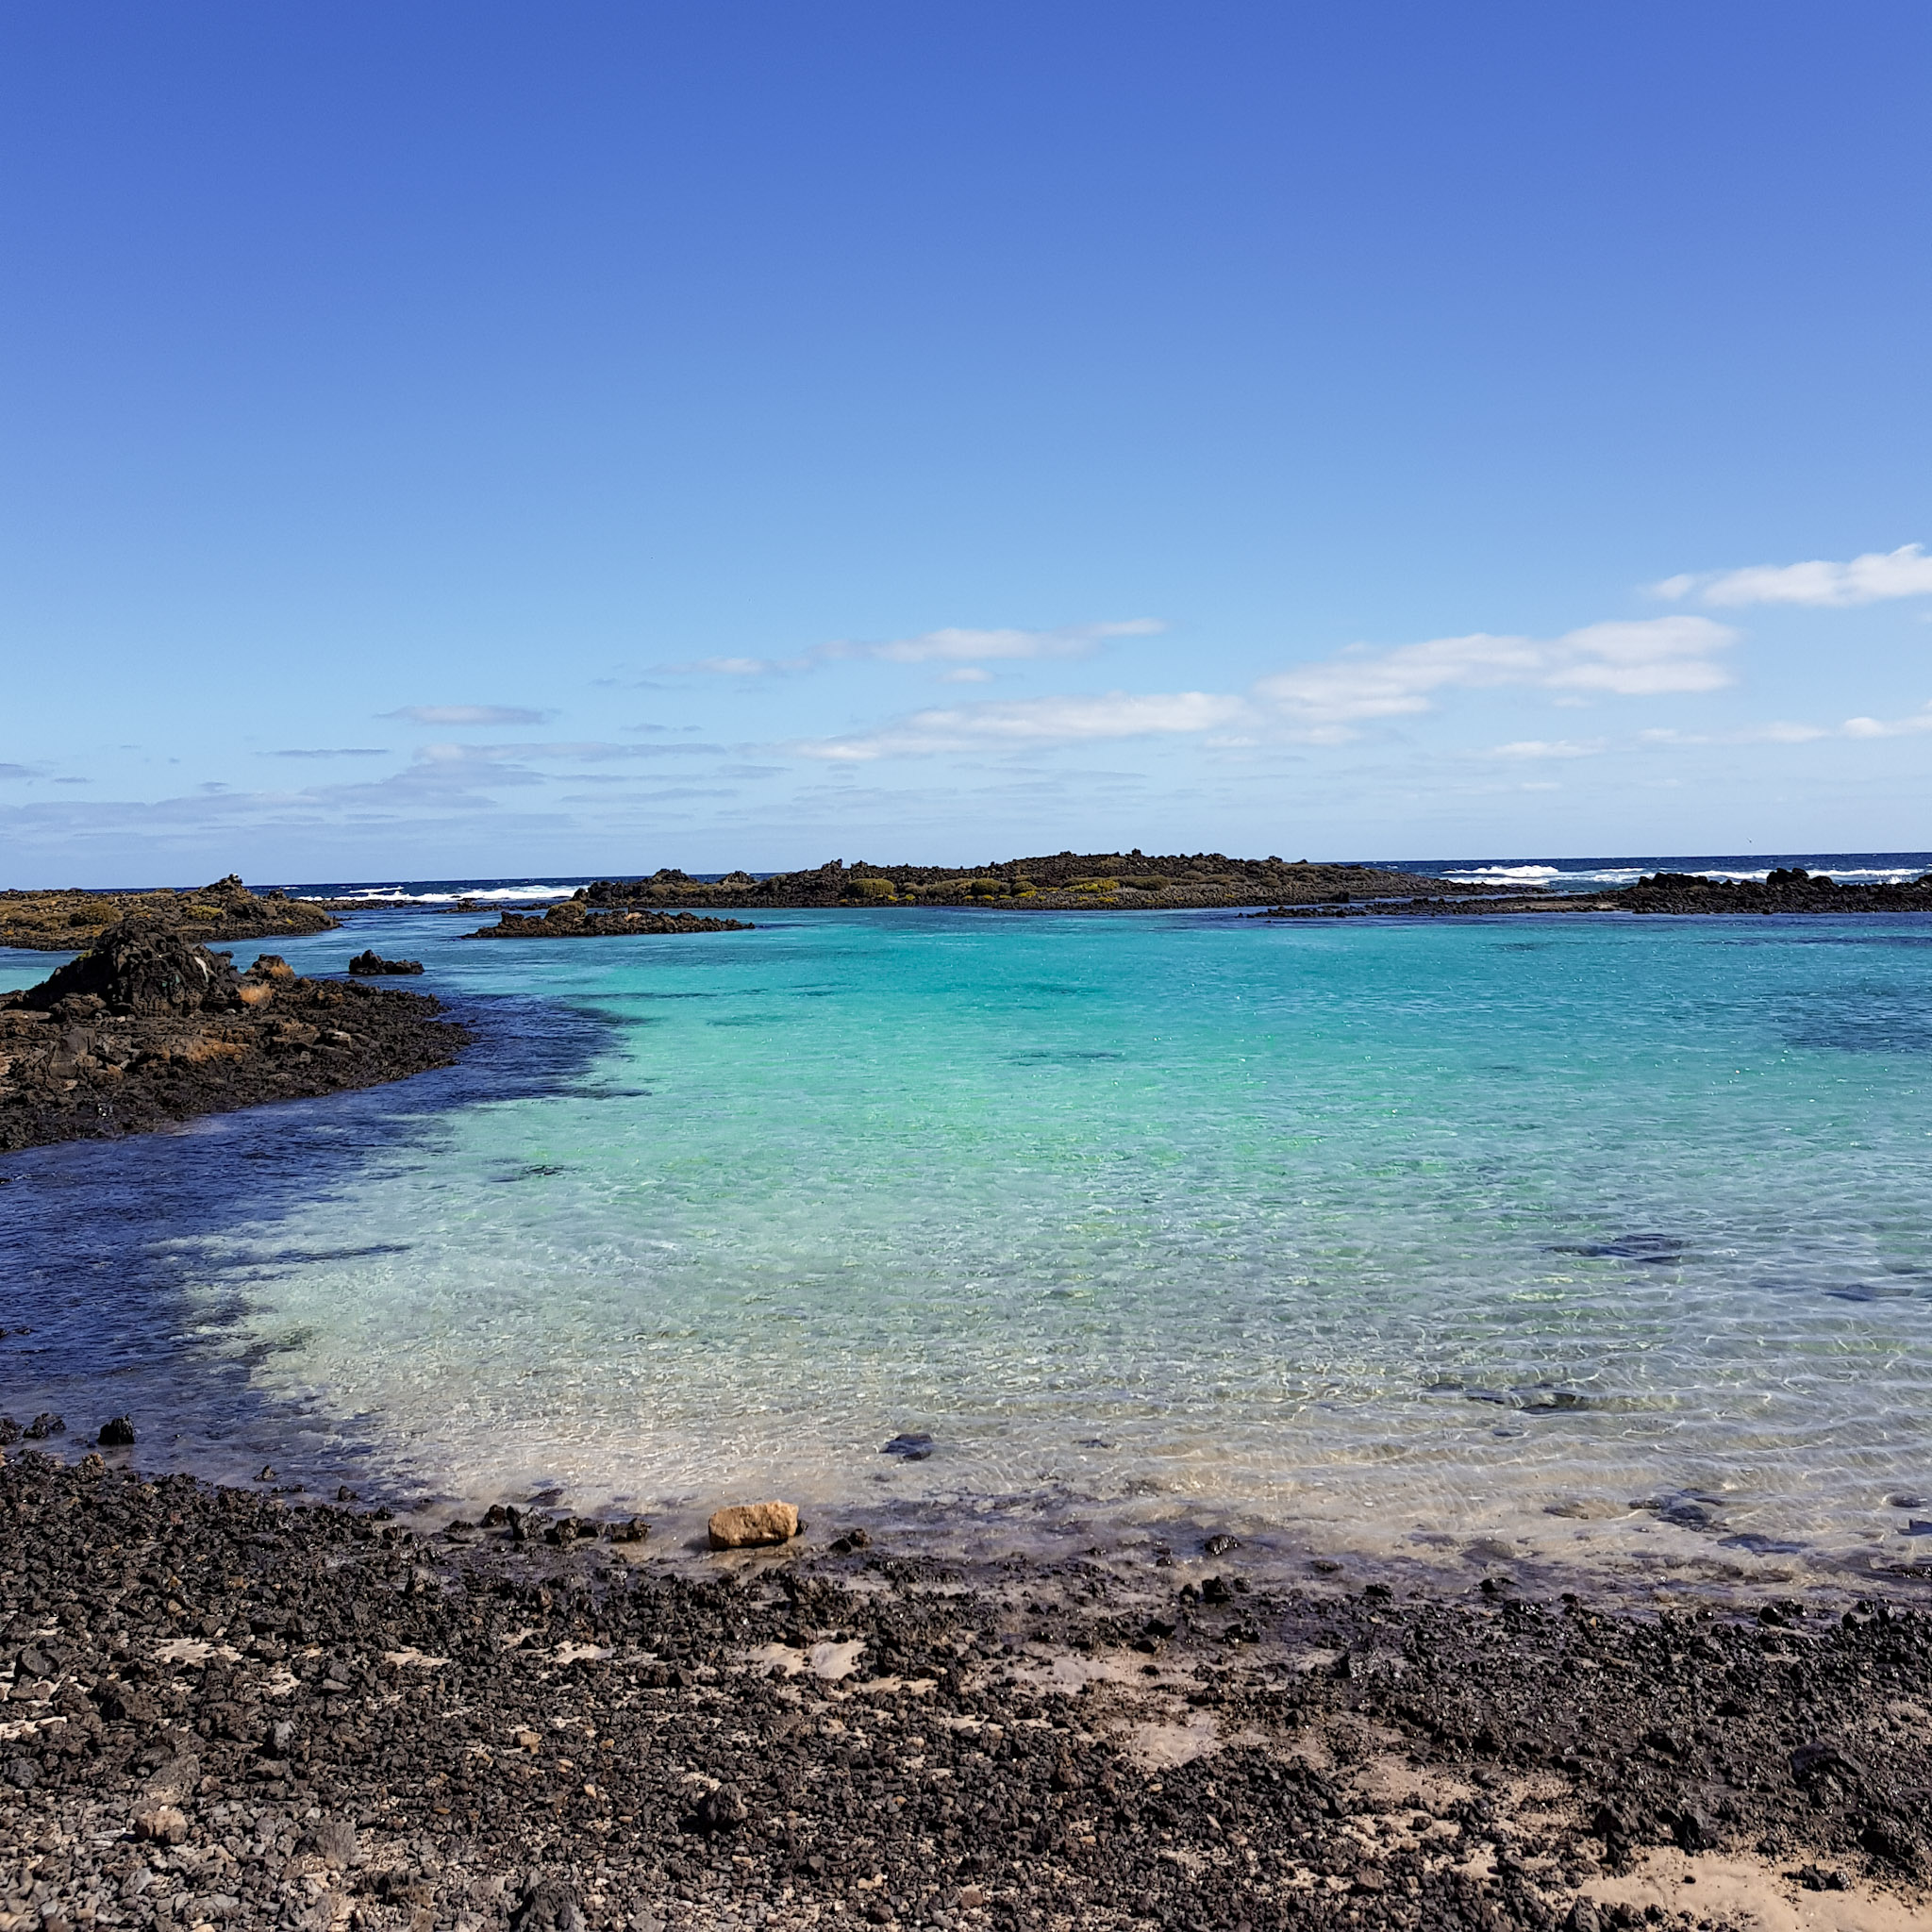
(148, 1028)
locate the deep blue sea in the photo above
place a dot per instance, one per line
(1575, 1238)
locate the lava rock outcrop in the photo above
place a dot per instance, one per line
(147, 1028)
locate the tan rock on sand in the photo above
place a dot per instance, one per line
(754, 1525)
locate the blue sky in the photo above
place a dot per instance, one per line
(445, 439)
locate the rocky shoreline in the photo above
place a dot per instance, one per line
(237, 1709)
(1672, 893)
(147, 1030)
(69, 922)
(1059, 882)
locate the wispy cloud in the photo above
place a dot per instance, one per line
(17, 771)
(1873, 578)
(1646, 657)
(1018, 723)
(1326, 701)
(339, 751)
(1893, 727)
(1548, 748)
(951, 646)
(578, 751)
(1784, 731)
(468, 714)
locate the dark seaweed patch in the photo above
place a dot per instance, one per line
(301, 1255)
(1645, 1250)
(1871, 1018)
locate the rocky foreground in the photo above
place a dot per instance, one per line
(67, 922)
(1065, 881)
(147, 1028)
(233, 1709)
(1791, 891)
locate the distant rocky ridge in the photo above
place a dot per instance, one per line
(1063, 881)
(147, 1028)
(70, 919)
(1677, 893)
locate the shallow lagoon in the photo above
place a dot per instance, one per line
(1379, 1240)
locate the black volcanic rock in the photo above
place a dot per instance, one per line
(571, 920)
(61, 921)
(547, 1736)
(370, 964)
(1063, 881)
(148, 1028)
(143, 967)
(1788, 890)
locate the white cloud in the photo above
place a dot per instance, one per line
(1871, 578)
(953, 646)
(467, 714)
(1645, 659)
(1642, 658)
(966, 673)
(950, 646)
(1016, 723)
(1321, 703)
(581, 751)
(1785, 732)
(1547, 748)
(1895, 727)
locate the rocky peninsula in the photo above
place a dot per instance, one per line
(147, 1028)
(577, 919)
(233, 1708)
(71, 921)
(1061, 882)
(1673, 893)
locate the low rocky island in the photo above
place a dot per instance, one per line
(1786, 890)
(1060, 882)
(240, 1709)
(147, 1028)
(71, 921)
(574, 920)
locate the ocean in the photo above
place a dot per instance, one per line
(1573, 1242)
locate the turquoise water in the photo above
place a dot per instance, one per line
(1394, 1237)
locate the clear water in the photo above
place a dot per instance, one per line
(1380, 1239)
